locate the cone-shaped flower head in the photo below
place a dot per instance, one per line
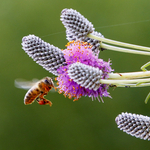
(134, 124)
(75, 23)
(78, 27)
(46, 55)
(85, 75)
(81, 76)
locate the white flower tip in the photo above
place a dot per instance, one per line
(134, 125)
(84, 75)
(46, 55)
(64, 10)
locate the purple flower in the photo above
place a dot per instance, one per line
(78, 69)
(81, 63)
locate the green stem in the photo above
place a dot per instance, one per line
(128, 81)
(125, 50)
(133, 85)
(129, 75)
(102, 39)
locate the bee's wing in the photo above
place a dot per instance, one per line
(24, 84)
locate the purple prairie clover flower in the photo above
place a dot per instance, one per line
(80, 28)
(80, 72)
(81, 60)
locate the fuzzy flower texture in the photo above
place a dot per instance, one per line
(81, 76)
(77, 68)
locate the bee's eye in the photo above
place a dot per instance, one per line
(46, 81)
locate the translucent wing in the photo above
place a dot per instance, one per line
(25, 84)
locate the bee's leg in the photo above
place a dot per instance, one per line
(38, 99)
(43, 94)
(47, 102)
(43, 101)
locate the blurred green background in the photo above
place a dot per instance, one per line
(84, 124)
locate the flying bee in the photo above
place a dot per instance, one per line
(38, 91)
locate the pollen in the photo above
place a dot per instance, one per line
(78, 27)
(82, 72)
(76, 99)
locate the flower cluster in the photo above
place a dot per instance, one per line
(79, 71)
(81, 76)
(89, 76)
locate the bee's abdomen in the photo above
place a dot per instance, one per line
(31, 95)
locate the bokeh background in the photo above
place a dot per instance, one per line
(69, 125)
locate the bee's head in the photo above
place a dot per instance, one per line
(49, 81)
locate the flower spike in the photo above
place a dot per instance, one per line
(76, 23)
(78, 27)
(84, 75)
(134, 124)
(46, 55)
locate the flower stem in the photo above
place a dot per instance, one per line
(130, 75)
(125, 50)
(127, 81)
(102, 39)
(133, 85)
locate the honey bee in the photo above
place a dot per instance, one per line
(38, 91)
